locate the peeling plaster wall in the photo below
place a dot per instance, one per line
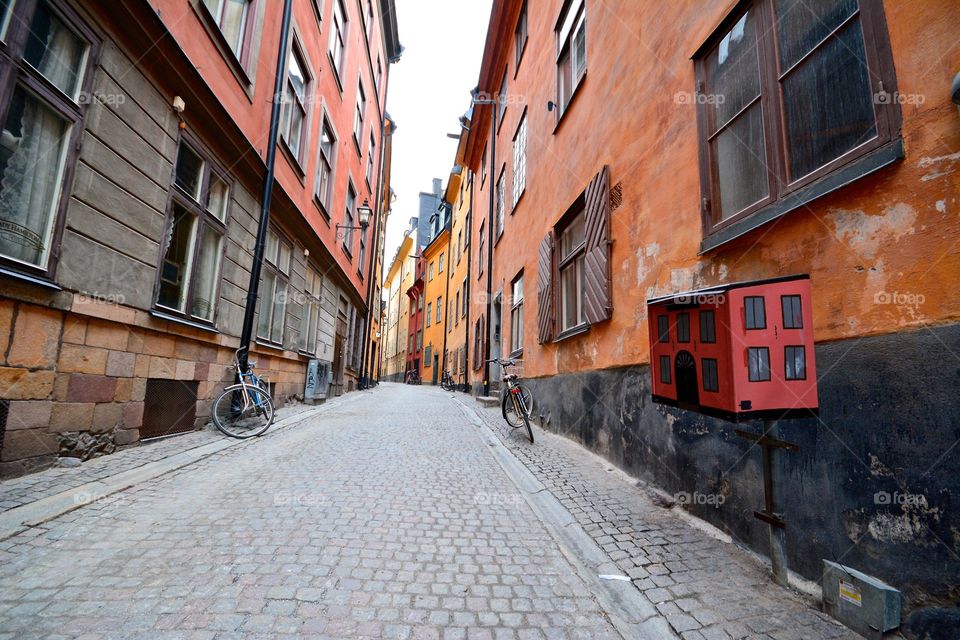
(872, 485)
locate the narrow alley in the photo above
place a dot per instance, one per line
(400, 512)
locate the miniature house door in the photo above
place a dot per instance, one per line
(685, 374)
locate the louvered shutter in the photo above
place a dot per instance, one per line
(545, 321)
(596, 268)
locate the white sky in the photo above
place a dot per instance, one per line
(429, 90)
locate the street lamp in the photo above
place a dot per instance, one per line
(363, 217)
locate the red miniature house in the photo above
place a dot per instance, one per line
(737, 351)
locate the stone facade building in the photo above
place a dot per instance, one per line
(629, 150)
(130, 202)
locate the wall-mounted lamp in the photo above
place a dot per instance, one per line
(551, 105)
(363, 217)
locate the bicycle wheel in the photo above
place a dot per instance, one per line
(238, 421)
(526, 421)
(509, 413)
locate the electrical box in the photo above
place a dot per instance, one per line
(739, 351)
(867, 605)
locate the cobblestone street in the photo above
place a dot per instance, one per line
(404, 513)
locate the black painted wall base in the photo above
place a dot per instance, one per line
(872, 486)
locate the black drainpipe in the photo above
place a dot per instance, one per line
(490, 219)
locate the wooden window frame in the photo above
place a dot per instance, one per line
(788, 323)
(665, 370)
(196, 206)
(309, 299)
(759, 351)
(500, 201)
(519, 161)
(297, 157)
(708, 330)
(573, 13)
(359, 116)
(338, 33)
(577, 211)
(710, 383)
(786, 361)
(786, 193)
(281, 277)
(520, 38)
(324, 201)
(750, 313)
(349, 217)
(481, 251)
(239, 61)
(516, 309)
(15, 71)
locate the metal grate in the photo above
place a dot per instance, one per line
(170, 407)
(4, 414)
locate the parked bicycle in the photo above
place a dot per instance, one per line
(412, 377)
(517, 401)
(245, 409)
(447, 383)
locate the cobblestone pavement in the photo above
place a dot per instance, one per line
(29, 488)
(704, 587)
(385, 517)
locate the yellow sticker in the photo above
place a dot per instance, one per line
(851, 593)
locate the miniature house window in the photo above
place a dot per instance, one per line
(663, 329)
(683, 327)
(792, 318)
(710, 382)
(758, 364)
(708, 327)
(756, 315)
(795, 367)
(665, 368)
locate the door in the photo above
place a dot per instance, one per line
(495, 370)
(336, 386)
(685, 374)
(436, 367)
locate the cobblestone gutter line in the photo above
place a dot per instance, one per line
(706, 589)
(136, 468)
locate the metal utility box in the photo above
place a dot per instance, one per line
(319, 376)
(737, 351)
(867, 605)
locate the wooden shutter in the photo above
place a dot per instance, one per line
(545, 311)
(596, 268)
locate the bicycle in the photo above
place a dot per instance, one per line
(517, 401)
(412, 377)
(447, 383)
(245, 409)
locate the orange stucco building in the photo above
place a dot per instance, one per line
(629, 150)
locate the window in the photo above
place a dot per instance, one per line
(348, 218)
(459, 245)
(572, 56)
(310, 315)
(708, 326)
(520, 160)
(483, 167)
(420, 302)
(502, 108)
(440, 264)
(755, 315)
(358, 116)
(709, 370)
(273, 288)
(378, 80)
(439, 309)
(429, 313)
(463, 311)
(231, 18)
(781, 112)
(328, 150)
(428, 357)
(792, 317)
(663, 329)
(369, 21)
(683, 327)
(39, 129)
(795, 363)
(520, 36)
(500, 201)
(478, 343)
(571, 274)
(665, 369)
(455, 312)
(293, 129)
(481, 252)
(337, 47)
(430, 272)
(362, 255)
(419, 339)
(371, 152)
(516, 315)
(196, 223)
(758, 364)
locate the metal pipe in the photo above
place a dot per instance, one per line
(246, 333)
(490, 220)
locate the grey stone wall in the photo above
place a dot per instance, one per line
(873, 485)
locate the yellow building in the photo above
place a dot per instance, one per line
(457, 350)
(397, 280)
(436, 293)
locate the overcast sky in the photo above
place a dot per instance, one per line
(429, 90)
